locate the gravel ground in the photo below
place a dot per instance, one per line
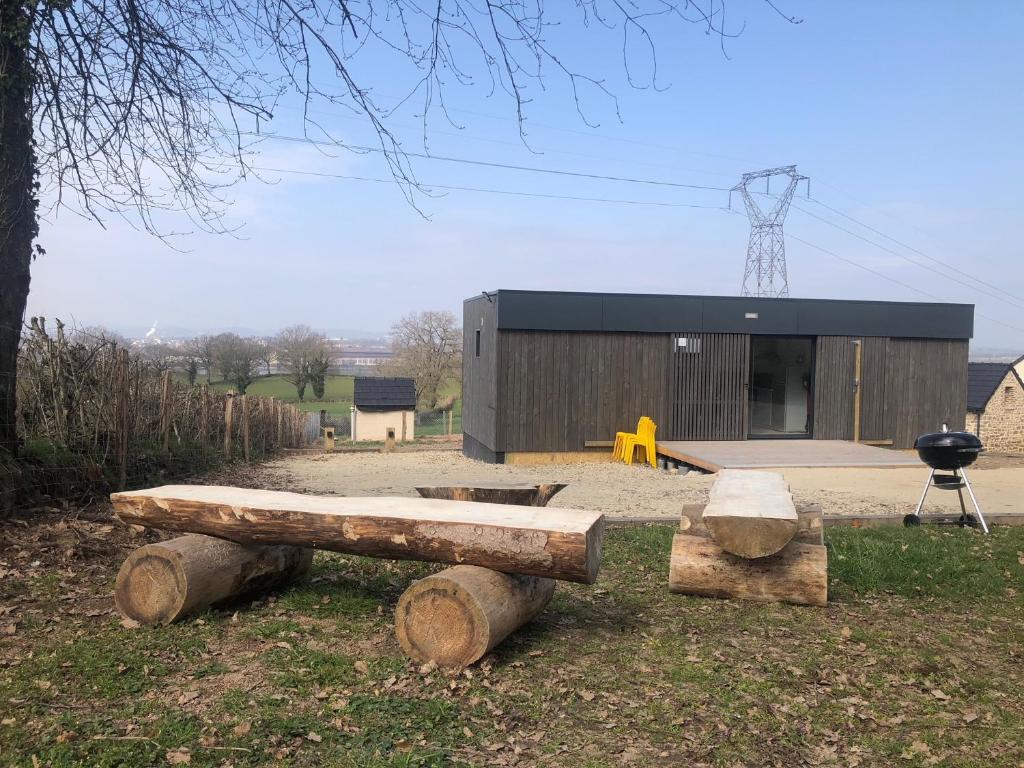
(618, 490)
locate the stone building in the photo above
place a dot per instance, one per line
(995, 404)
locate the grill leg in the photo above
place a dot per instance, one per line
(960, 495)
(927, 485)
(981, 517)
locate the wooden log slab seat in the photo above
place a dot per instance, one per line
(456, 616)
(554, 543)
(797, 574)
(523, 495)
(751, 514)
(161, 583)
(810, 525)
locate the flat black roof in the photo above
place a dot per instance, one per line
(660, 313)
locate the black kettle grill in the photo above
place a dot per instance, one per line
(949, 452)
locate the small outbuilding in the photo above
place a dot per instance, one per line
(383, 405)
(560, 373)
(995, 404)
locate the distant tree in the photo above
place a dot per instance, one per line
(159, 355)
(90, 335)
(317, 368)
(190, 364)
(238, 359)
(427, 346)
(203, 350)
(296, 347)
(266, 351)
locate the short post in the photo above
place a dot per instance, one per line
(165, 411)
(389, 439)
(451, 418)
(352, 422)
(123, 418)
(404, 413)
(204, 416)
(246, 447)
(279, 412)
(229, 402)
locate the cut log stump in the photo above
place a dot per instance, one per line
(554, 543)
(797, 574)
(523, 495)
(456, 616)
(161, 583)
(751, 514)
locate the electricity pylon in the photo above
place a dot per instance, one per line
(765, 273)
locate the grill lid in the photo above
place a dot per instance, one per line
(959, 440)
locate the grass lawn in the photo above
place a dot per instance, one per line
(917, 661)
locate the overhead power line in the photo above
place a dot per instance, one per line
(897, 254)
(486, 163)
(448, 187)
(945, 264)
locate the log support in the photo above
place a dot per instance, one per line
(798, 574)
(161, 583)
(456, 616)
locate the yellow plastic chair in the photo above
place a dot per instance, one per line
(643, 438)
(618, 452)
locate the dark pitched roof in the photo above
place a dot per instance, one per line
(982, 382)
(384, 394)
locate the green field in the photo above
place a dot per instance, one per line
(337, 398)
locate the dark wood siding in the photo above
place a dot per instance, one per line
(926, 385)
(709, 387)
(908, 386)
(559, 389)
(479, 381)
(874, 358)
(833, 388)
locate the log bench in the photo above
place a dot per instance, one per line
(553, 543)
(751, 542)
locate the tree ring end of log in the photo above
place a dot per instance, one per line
(150, 587)
(451, 636)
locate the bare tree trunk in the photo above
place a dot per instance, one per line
(18, 227)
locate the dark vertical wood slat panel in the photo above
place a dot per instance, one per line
(707, 392)
(926, 385)
(480, 404)
(582, 386)
(833, 388)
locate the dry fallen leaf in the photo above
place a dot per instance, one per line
(188, 696)
(362, 667)
(242, 728)
(939, 694)
(846, 632)
(178, 756)
(587, 695)
(130, 623)
(65, 736)
(315, 737)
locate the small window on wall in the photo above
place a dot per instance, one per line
(477, 342)
(688, 346)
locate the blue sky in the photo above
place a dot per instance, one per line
(907, 116)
